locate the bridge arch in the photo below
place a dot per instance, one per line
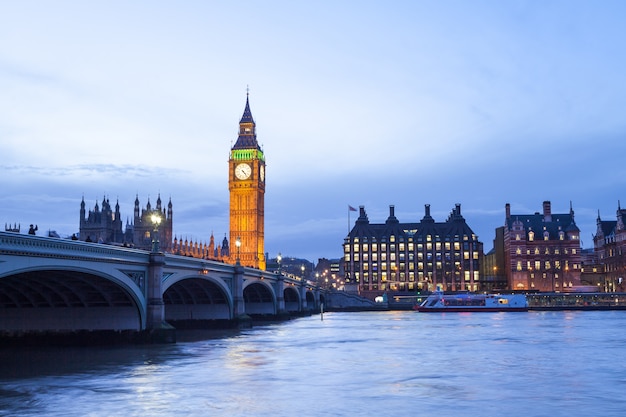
(49, 298)
(310, 300)
(196, 297)
(259, 298)
(292, 299)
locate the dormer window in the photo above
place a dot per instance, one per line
(531, 235)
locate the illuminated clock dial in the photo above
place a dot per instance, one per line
(262, 173)
(243, 171)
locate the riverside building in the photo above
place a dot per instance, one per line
(397, 258)
(542, 250)
(609, 244)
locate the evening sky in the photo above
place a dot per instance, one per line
(368, 103)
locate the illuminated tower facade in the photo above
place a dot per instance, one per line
(246, 184)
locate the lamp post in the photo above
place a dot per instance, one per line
(156, 222)
(238, 244)
(302, 268)
(278, 259)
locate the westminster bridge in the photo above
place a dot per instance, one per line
(59, 285)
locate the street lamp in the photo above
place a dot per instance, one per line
(302, 268)
(156, 222)
(238, 244)
(278, 259)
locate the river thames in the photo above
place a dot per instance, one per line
(349, 364)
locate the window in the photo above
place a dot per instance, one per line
(531, 235)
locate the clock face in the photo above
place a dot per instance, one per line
(262, 173)
(243, 171)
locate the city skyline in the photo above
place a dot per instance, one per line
(404, 104)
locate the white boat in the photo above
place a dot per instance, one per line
(467, 302)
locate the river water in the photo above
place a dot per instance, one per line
(348, 364)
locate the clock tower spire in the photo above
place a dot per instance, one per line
(246, 185)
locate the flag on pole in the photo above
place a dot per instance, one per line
(351, 208)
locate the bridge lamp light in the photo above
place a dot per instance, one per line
(238, 245)
(278, 259)
(302, 268)
(156, 222)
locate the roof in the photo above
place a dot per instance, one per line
(538, 224)
(247, 131)
(454, 226)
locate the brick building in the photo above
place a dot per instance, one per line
(542, 250)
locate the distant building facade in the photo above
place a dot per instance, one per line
(492, 269)
(394, 257)
(609, 245)
(542, 250)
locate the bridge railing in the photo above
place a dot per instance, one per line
(29, 245)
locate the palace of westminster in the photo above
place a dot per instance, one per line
(531, 252)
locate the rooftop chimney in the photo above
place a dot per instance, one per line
(547, 212)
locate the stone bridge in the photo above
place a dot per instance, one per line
(59, 285)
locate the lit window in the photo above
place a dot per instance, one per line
(531, 236)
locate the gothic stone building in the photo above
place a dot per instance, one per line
(103, 225)
(394, 257)
(542, 250)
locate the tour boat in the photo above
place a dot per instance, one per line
(466, 302)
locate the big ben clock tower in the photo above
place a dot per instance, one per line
(246, 184)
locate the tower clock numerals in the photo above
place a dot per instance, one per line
(243, 171)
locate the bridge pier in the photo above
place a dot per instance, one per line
(157, 329)
(239, 306)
